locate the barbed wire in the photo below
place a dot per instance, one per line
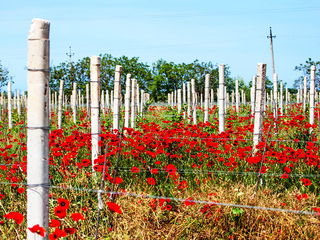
(187, 171)
(147, 196)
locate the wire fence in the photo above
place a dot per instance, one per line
(147, 196)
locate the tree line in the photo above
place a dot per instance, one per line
(158, 78)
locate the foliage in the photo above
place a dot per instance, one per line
(159, 79)
(305, 70)
(4, 76)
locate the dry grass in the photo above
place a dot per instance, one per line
(139, 221)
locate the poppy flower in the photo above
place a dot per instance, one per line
(63, 203)
(306, 181)
(54, 223)
(38, 230)
(60, 212)
(20, 190)
(114, 207)
(151, 181)
(189, 201)
(135, 170)
(58, 233)
(77, 217)
(70, 230)
(16, 216)
(171, 169)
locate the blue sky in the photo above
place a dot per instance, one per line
(230, 32)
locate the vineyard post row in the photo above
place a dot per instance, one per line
(40, 100)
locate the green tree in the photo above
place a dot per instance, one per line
(304, 68)
(4, 76)
(79, 72)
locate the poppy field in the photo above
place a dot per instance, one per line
(170, 179)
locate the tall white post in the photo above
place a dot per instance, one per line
(60, 104)
(74, 102)
(102, 103)
(111, 100)
(221, 98)
(127, 101)
(107, 101)
(141, 100)
(259, 106)
(237, 95)
(304, 93)
(9, 105)
(18, 103)
(88, 99)
(194, 103)
(184, 96)
(116, 98)
(275, 95)
(312, 90)
(55, 101)
(253, 94)
(138, 97)
(211, 97)
(133, 102)
(95, 106)
(281, 98)
(179, 100)
(242, 97)
(206, 98)
(188, 101)
(38, 127)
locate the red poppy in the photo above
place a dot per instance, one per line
(154, 171)
(135, 170)
(114, 207)
(63, 203)
(151, 181)
(58, 233)
(38, 230)
(306, 181)
(70, 230)
(60, 212)
(20, 190)
(171, 169)
(16, 216)
(189, 201)
(54, 223)
(77, 217)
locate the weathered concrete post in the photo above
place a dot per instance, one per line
(206, 98)
(275, 95)
(259, 105)
(312, 90)
(133, 102)
(221, 98)
(95, 107)
(38, 127)
(188, 101)
(179, 100)
(253, 94)
(9, 105)
(281, 98)
(304, 93)
(60, 104)
(237, 95)
(116, 98)
(184, 96)
(74, 102)
(194, 101)
(127, 101)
